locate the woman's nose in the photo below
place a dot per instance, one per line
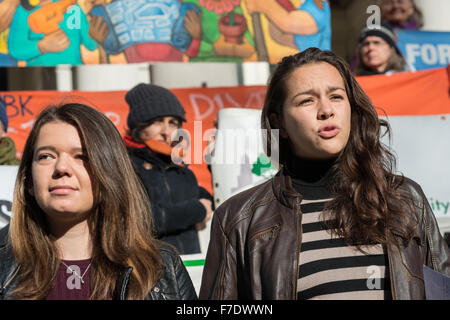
(325, 110)
(63, 166)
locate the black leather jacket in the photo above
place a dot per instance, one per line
(256, 238)
(175, 283)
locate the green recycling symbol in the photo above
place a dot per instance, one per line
(263, 166)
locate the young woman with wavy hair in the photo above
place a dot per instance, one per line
(81, 225)
(336, 222)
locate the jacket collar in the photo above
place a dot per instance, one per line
(284, 191)
(4, 236)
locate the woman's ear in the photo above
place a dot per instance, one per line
(277, 123)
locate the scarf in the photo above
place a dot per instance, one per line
(154, 145)
(8, 152)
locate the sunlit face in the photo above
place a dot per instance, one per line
(375, 53)
(397, 11)
(161, 129)
(61, 183)
(316, 113)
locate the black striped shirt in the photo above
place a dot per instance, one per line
(329, 268)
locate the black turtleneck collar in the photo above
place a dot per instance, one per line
(310, 177)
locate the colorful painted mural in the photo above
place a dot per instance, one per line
(52, 32)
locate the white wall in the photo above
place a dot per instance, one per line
(436, 14)
(168, 74)
(104, 77)
(188, 75)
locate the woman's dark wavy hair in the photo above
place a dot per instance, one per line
(367, 206)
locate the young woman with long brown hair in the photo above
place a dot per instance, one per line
(336, 222)
(81, 227)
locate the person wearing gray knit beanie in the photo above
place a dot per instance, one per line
(378, 52)
(149, 104)
(149, 101)
(180, 206)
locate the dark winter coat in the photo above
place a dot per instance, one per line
(174, 195)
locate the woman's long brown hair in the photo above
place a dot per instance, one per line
(120, 224)
(368, 204)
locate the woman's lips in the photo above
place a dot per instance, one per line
(62, 190)
(328, 132)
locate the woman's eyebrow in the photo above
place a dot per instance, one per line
(52, 148)
(314, 93)
(331, 89)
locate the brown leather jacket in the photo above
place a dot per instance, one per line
(256, 239)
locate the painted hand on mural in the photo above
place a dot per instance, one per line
(193, 24)
(228, 49)
(7, 10)
(225, 32)
(294, 22)
(54, 42)
(90, 4)
(98, 29)
(283, 38)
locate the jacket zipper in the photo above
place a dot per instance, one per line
(124, 285)
(430, 243)
(165, 181)
(272, 231)
(169, 191)
(394, 294)
(3, 289)
(298, 249)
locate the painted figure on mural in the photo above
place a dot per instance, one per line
(177, 30)
(169, 30)
(227, 37)
(7, 10)
(169, 51)
(38, 40)
(299, 27)
(150, 30)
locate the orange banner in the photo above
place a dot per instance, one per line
(419, 93)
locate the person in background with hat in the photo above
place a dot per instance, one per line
(7, 146)
(378, 52)
(401, 14)
(180, 206)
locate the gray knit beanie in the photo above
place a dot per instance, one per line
(148, 101)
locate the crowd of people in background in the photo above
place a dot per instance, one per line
(376, 51)
(110, 215)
